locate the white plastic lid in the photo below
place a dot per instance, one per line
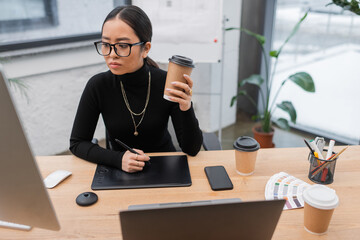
(321, 197)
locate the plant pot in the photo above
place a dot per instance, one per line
(264, 139)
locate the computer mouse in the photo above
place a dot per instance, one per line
(86, 199)
(56, 177)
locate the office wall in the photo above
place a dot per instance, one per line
(212, 96)
(57, 75)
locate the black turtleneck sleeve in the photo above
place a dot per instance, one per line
(187, 130)
(103, 96)
(84, 126)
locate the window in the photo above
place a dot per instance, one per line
(38, 23)
(327, 46)
(20, 15)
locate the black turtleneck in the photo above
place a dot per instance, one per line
(102, 95)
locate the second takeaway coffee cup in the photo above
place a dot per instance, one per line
(178, 66)
(246, 149)
(320, 203)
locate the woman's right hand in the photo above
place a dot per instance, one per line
(132, 162)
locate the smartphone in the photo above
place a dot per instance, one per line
(218, 178)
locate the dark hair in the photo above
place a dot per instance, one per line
(137, 19)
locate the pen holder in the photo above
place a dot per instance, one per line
(321, 171)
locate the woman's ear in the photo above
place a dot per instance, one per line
(147, 47)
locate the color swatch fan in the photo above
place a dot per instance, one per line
(284, 186)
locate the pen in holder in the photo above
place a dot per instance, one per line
(322, 171)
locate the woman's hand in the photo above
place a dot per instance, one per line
(132, 162)
(183, 96)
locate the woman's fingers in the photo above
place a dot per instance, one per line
(137, 163)
(189, 80)
(183, 86)
(132, 162)
(178, 93)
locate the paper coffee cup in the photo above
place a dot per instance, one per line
(178, 66)
(320, 203)
(246, 149)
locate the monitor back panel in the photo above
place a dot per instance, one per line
(24, 199)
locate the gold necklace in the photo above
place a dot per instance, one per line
(128, 105)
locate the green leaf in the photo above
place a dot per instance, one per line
(17, 82)
(353, 5)
(303, 80)
(233, 99)
(231, 28)
(19, 85)
(258, 37)
(242, 93)
(255, 117)
(289, 108)
(295, 29)
(254, 79)
(282, 123)
(274, 53)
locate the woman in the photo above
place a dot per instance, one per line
(130, 99)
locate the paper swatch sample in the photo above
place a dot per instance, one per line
(284, 186)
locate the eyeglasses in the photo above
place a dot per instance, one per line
(121, 49)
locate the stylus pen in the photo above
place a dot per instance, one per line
(127, 147)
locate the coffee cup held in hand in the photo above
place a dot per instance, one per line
(178, 66)
(320, 203)
(246, 149)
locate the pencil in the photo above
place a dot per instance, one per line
(308, 145)
(342, 150)
(331, 156)
(327, 163)
(319, 169)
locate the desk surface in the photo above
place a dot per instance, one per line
(101, 221)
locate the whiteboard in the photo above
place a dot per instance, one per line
(192, 28)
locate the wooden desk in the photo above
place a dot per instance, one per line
(101, 221)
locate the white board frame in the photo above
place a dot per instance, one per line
(185, 27)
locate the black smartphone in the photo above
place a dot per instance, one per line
(218, 178)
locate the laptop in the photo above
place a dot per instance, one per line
(227, 219)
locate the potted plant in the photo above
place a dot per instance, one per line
(264, 115)
(352, 5)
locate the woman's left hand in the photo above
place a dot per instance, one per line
(183, 96)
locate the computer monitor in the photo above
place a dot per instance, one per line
(23, 197)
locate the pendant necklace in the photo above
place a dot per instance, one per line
(142, 113)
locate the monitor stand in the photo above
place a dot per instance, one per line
(14, 226)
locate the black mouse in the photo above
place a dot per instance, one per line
(86, 199)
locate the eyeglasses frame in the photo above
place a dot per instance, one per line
(112, 46)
